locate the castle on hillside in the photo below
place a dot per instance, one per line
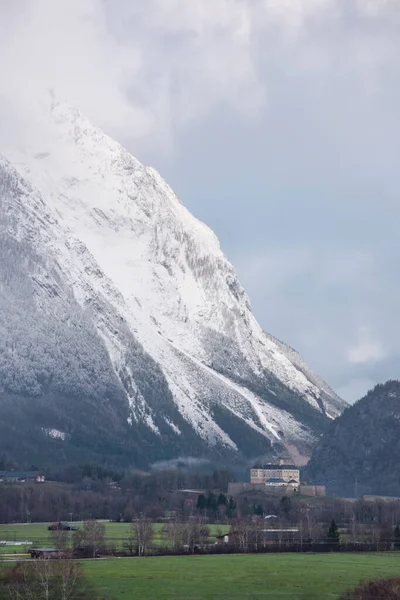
(275, 479)
(276, 475)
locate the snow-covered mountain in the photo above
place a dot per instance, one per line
(123, 326)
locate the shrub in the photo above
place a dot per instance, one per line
(384, 589)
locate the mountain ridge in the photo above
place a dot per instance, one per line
(114, 244)
(358, 452)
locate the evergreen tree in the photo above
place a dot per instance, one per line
(396, 535)
(222, 500)
(333, 532)
(212, 501)
(231, 508)
(201, 502)
(285, 506)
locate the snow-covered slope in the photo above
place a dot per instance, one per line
(149, 280)
(336, 404)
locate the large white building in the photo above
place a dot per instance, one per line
(276, 475)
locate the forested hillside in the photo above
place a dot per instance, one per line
(360, 451)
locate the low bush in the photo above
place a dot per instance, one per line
(384, 589)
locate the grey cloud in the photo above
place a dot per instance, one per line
(276, 121)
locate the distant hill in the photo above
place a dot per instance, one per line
(361, 448)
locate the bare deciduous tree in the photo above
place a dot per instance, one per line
(90, 536)
(188, 535)
(45, 580)
(243, 535)
(60, 538)
(173, 534)
(195, 533)
(141, 534)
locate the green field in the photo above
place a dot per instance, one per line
(13, 549)
(115, 533)
(274, 576)
(271, 576)
(38, 532)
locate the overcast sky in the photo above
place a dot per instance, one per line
(277, 122)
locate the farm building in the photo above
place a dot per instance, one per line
(46, 553)
(21, 477)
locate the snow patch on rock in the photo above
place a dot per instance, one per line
(55, 434)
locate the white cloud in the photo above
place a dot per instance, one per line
(374, 8)
(65, 46)
(366, 349)
(138, 69)
(294, 15)
(142, 70)
(315, 82)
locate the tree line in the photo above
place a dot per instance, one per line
(96, 492)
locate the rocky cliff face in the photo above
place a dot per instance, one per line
(123, 326)
(359, 452)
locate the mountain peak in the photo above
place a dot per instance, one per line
(150, 281)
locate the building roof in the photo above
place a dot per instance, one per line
(20, 474)
(275, 467)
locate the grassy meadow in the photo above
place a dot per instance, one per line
(115, 533)
(218, 577)
(231, 577)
